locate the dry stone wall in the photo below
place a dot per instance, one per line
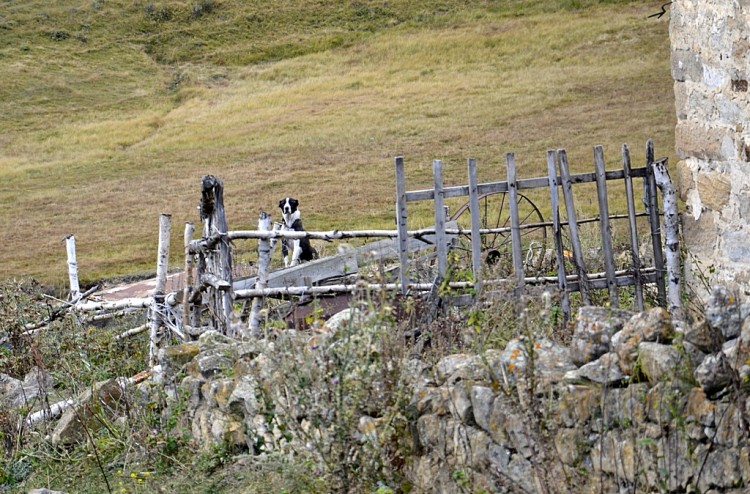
(711, 69)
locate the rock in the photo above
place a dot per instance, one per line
(178, 355)
(243, 401)
(10, 390)
(569, 443)
(578, 405)
(658, 361)
(724, 312)
(664, 402)
(45, 491)
(460, 367)
(721, 468)
(460, 403)
(551, 360)
(714, 373)
(594, 326)
(604, 370)
(16, 393)
(654, 325)
(705, 337)
(699, 409)
(102, 399)
(482, 399)
(210, 365)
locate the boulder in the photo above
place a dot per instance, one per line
(101, 400)
(654, 325)
(594, 327)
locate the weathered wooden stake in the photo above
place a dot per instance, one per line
(515, 231)
(605, 228)
(442, 247)
(264, 259)
(562, 282)
(403, 239)
(570, 209)
(187, 289)
(633, 228)
(157, 306)
(672, 236)
(75, 289)
(476, 239)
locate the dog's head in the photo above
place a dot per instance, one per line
(288, 206)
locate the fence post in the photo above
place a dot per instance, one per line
(476, 239)
(70, 247)
(403, 240)
(515, 230)
(157, 306)
(672, 235)
(570, 209)
(264, 259)
(604, 225)
(187, 289)
(633, 228)
(442, 247)
(562, 282)
(652, 206)
(218, 264)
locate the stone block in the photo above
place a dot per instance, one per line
(714, 189)
(686, 66)
(695, 139)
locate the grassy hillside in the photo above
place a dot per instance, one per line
(113, 110)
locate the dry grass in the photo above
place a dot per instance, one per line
(107, 138)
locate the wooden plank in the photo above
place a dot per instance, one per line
(604, 225)
(562, 283)
(515, 232)
(476, 239)
(401, 224)
(636, 258)
(570, 209)
(313, 271)
(388, 249)
(652, 203)
(524, 183)
(442, 247)
(187, 238)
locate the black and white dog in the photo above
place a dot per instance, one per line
(301, 249)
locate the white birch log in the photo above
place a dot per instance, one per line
(672, 236)
(54, 411)
(132, 302)
(75, 289)
(132, 332)
(162, 265)
(264, 259)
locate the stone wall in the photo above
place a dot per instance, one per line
(635, 403)
(711, 70)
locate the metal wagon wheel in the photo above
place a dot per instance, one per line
(494, 213)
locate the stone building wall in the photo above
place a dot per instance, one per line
(711, 69)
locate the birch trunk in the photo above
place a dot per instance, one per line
(264, 259)
(162, 264)
(75, 289)
(672, 236)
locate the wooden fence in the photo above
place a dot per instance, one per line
(210, 292)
